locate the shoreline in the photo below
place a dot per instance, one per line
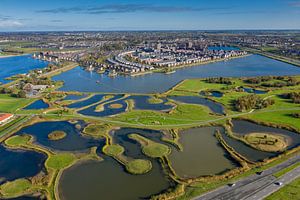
(273, 56)
(9, 56)
(160, 70)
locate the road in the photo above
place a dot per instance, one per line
(255, 186)
(286, 179)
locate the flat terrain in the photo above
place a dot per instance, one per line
(11, 104)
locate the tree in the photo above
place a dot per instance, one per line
(21, 94)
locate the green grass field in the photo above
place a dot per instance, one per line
(138, 166)
(151, 148)
(97, 130)
(277, 117)
(11, 104)
(60, 161)
(17, 140)
(183, 114)
(16, 187)
(113, 150)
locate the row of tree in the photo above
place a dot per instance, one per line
(296, 115)
(220, 80)
(273, 81)
(13, 93)
(252, 101)
(294, 96)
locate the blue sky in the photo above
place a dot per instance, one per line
(43, 15)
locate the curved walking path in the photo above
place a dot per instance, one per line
(192, 122)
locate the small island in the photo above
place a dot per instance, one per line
(267, 142)
(57, 135)
(154, 100)
(115, 106)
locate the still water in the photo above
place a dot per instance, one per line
(18, 65)
(193, 160)
(253, 65)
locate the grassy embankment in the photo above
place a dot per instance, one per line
(267, 53)
(288, 192)
(12, 125)
(151, 148)
(286, 170)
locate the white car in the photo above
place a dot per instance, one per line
(278, 183)
(231, 184)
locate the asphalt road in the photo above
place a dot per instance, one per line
(286, 179)
(255, 186)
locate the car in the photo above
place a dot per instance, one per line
(260, 172)
(231, 184)
(278, 183)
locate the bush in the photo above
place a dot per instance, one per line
(252, 102)
(220, 80)
(296, 115)
(294, 96)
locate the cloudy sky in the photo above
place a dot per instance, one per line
(43, 15)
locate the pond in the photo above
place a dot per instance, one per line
(243, 127)
(108, 179)
(86, 102)
(212, 94)
(18, 65)
(213, 106)
(16, 164)
(194, 160)
(248, 152)
(74, 140)
(142, 103)
(74, 97)
(37, 105)
(107, 107)
(132, 147)
(254, 91)
(252, 65)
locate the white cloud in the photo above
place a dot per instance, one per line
(9, 23)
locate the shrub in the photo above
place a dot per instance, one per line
(252, 102)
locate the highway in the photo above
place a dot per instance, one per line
(255, 186)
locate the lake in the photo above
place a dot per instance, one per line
(18, 65)
(252, 65)
(193, 160)
(16, 164)
(74, 140)
(108, 179)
